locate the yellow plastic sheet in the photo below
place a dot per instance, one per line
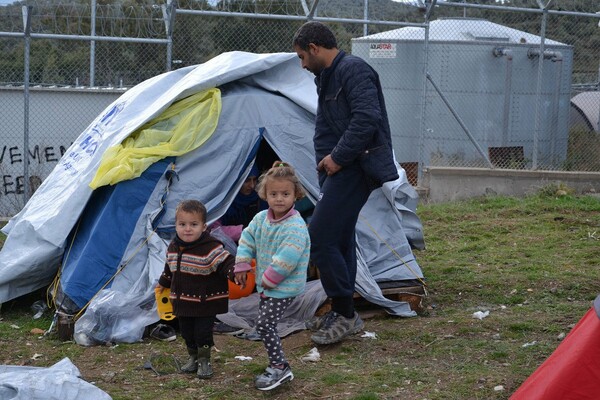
(181, 128)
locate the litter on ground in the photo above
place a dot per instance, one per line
(481, 314)
(312, 355)
(371, 335)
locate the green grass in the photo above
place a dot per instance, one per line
(2, 235)
(532, 262)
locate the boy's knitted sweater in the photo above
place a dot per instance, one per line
(281, 248)
(197, 274)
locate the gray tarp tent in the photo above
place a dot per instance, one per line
(110, 242)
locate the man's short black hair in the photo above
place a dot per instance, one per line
(316, 33)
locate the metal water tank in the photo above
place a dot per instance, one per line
(486, 75)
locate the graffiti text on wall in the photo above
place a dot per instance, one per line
(14, 154)
(11, 156)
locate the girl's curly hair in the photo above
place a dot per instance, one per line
(279, 170)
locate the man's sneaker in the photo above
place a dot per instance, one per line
(163, 332)
(315, 323)
(223, 328)
(337, 327)
(273, 377)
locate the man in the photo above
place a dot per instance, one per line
(354, 155)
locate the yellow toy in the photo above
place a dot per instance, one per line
(163, 304)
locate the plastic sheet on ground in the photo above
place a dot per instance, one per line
(243, 312)
(58, 382)
(115, 318)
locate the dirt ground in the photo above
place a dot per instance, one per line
(122, 373)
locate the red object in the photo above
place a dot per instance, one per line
(572, 372)
(236, 291)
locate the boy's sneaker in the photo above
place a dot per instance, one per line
(273, 377)
(337, 327)
(222, 328)
(163, 332)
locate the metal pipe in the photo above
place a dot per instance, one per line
(297, 18)
(93, 45)
(554, 56)
(304, 7)
(538, 106)
(168, 12)
(26, 10)
(84, 37)
(559, 66)
(460, 122)
(313, 10)
(597, 89)
(366, 17)
(430, 10)
(542, 6)
(551, 55)
(519, 9)
(421, 158)
(505, 52)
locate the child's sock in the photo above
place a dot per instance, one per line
(280, 366)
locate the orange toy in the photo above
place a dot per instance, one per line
(236, 291)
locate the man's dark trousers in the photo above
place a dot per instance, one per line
(332, 231)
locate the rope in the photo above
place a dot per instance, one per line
(55, 283)
(163, 364)
(54, 286)
(121, 268)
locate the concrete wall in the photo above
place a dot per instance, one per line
(446, 184)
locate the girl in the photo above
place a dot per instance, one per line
(278, 239)
(196, 270)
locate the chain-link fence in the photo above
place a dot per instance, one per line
(493, 84)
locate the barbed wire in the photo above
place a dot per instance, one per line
(146, 20)
(115, 20)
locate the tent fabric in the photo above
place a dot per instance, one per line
(587, 104)
(101, 250)
(61, 381)
(243, 312)
(36, 241)
(183, 127)
(122, 231)
(571, 372)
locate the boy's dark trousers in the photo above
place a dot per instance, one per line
(197, 331)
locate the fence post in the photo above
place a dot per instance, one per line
(366, 17)
(169, 18)
(598, 89)
(422, 123)
(27, 31)
(538, 105)
(93, 45)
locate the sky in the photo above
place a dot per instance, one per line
(5, 2)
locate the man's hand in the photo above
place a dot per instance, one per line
(330, 166)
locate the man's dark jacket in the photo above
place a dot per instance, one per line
(352, 123)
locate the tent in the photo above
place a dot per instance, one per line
(572, 371)
(584, 114)
(61, 381)
(108, 244)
